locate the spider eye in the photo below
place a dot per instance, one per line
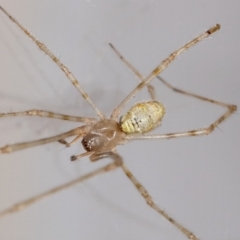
(86, 145)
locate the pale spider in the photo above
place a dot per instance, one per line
(101, 136)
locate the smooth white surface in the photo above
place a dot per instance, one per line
(196, 180)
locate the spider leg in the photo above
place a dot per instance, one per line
(142, 190)
(76, 157)
(67, 72)
(111, 154)
(69, 144)
(194, 132)
(119, 162)
(47, 114)
(164, 64)
(26, 203)
(195, 95)
(151, 89)
(19, 146)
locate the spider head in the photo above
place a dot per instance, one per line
(103, 136)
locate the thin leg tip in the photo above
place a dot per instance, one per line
(218, 26)
(110, 44)
(73, 158)
(234, 107)
(214, 29)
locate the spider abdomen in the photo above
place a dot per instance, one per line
(142, 117)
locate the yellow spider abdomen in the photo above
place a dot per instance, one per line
(142, 117)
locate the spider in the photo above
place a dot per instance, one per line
(101, 136)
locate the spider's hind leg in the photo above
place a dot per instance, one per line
(230, 106)
(142, 190)
(150, 87)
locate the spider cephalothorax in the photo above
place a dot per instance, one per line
(103, 136)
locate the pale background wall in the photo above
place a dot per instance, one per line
(196, 180)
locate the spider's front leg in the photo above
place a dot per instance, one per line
(48, 114)
(19, 146)
(69, 144)
(28, 202)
